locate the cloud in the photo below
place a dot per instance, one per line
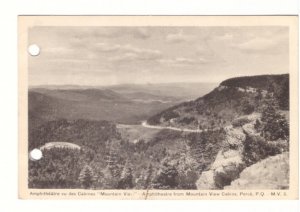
(105, 47)
(68, 53)
(203, 60)
(129, 48)
(130, 53)
(57, 50)
(255, 39)
(257, 44)
(147, 56)
(177, 37)
(142, 33)
(226, 37)
(116, 48)
(183, 61)
(272, 44)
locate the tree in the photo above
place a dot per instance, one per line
(167, 177)
(57, 169)
(275, 125)
(257, 125)
(247, 108)
(112, 161)
(257, 148)
(283, 95)
(126, 179)
(144, 179)
(87, 177)
(259, 96)
(271, 88)
(109, 181)
(148, 176)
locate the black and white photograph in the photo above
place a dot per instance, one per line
(177, 107)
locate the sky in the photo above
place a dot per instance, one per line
(100, 56)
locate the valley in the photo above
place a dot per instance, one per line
(157, 136)
(124, 104)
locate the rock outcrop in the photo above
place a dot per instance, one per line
(270, 173)
(227, 164)
(229, 161)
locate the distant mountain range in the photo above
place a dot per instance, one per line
(120, 103)
(180, 90)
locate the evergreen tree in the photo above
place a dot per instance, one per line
(126, 179)
(275, 125)
(271, 88)
(198, 152)
(148, 176)
(109, 182)
(268, 112)
(258, 96)
(167, 177)
(112, 162)
(257, 125)
(87, 177)
(247, 108)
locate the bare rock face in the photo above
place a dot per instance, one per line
(270, 173)
(206, 181)
(249, 127)
(225, 175)
(227, 166)
(229, 161)
(234, 139)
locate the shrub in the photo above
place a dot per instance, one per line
(170, 114)
(167, 177)
(275, 125)
(257, 148)
(187, 120)
(257, 125)
(247, 108)
(87, 177)
(240, 122)
(227, 175)
(188, 180)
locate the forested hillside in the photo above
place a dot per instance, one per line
(232, 98)
(277, 84)
(94, 104)
(170, 160)
(235, 126)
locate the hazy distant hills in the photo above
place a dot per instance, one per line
(88, 94)
(121, 103)
(179, 90)
(232, 98)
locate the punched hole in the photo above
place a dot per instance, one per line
(34, 50)
(35, 154)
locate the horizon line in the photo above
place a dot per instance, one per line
(148, 83)
(83, 85)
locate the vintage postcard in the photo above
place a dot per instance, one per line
(158, 107)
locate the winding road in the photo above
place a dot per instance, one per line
(145, 124)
